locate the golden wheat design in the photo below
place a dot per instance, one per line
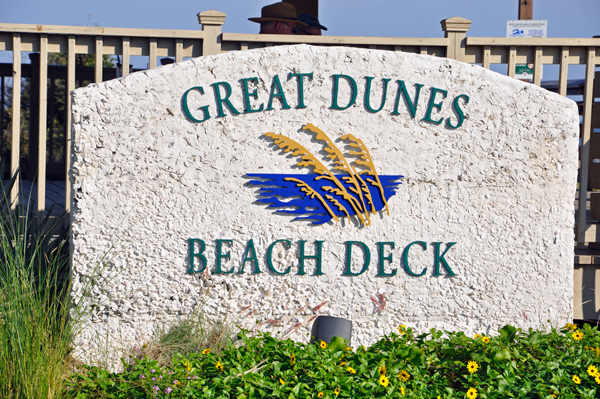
(366, 160)
(341, 163)
(312, 193)
(309, 160)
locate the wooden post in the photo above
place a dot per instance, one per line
(34, 119)
(211, 21)
(525, 9)
(588, 99)
(15, 142)
(455, 30)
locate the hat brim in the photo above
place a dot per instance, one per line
(286, 20)
(317, 26)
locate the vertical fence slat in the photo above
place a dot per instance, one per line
(398, 48)
(126, 47)
(537, 66)
(487, 54)
(41, 175)
(152, 63)
(588, 99)
(512, 60)
(68, 131)
(564, 70)
(423, 50)
(15, 154)
(98, 66)
(178, 50)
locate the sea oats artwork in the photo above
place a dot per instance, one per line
(323, 195)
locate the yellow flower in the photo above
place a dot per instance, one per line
(597, 378)
(350, 369)
(592, 371)
(576, 379)
(568, 326)
(578, 335)
(402, 391)
(472, 393)
(342, 364)
(206, 351)
(477, 336)
(382, 370)
(323, 345)
(321, 394)
(485, 340)
(282, 382)
(336, 391)
(403, 375)
(349, 349)
(293, 359)
(472, 367)
(219, 366)
(383, 380)
(402, 329)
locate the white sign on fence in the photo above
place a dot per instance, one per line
(527, 28)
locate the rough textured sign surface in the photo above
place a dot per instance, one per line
(272, 185)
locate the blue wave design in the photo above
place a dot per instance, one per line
(274, 188)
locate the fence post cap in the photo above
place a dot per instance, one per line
(211, 17)
(456, 24)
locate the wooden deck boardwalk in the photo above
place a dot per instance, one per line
(55, 195)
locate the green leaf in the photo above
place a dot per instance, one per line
(416, 355)
(501, 356)
(503, 386)
(337, 344)
(508, 333)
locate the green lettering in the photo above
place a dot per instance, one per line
(368, 94)
(367, 254)
(220, 101)
(405, 258)
(440, 258)
(382, 259)
(459, 112)
(193, 255)
(433, 104)
(277, 91)
(317, 257)
(300, 80)
(353, 87)
(221, 255)
(250, 257)
(270, 257)
(402, 92)
(247, 94)
(186, 108)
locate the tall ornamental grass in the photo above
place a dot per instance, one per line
(35, 328)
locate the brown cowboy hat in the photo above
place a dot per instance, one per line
(281, 12)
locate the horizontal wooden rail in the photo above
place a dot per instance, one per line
(334, 40)
(516, 41)
(98, 31)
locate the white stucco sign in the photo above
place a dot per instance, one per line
(276, 184)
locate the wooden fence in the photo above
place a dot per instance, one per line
(179, 44)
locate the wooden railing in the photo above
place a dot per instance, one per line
(179, 45)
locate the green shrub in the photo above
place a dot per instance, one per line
(188, 335)
(35, 330)
(514, 364)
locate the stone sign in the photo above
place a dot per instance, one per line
(272, 185)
